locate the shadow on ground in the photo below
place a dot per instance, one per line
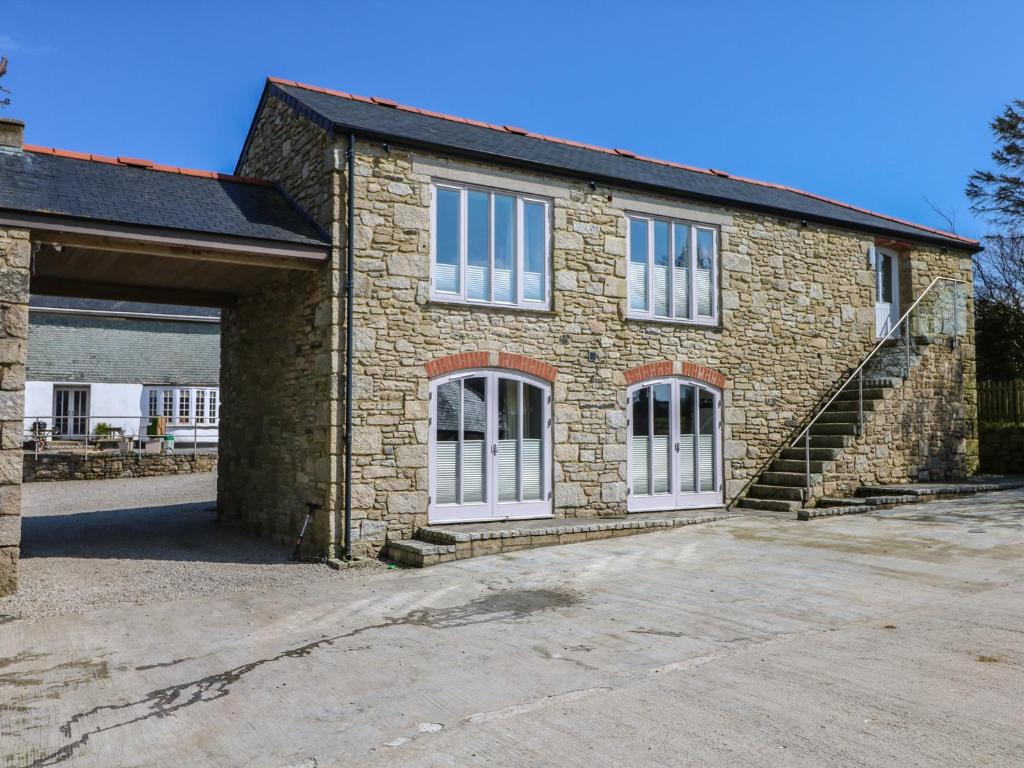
(188, 532)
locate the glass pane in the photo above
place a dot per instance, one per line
(532, 458)
(661, 447)
(681, 272)
(687, 440)
(478, 267)
(446, 275)
(474, 440)
(508, 439)
(706, 445)
(640, 449)
(504, 248)
(446, 448)
(885, 273)
(638, 264)
(661, 276)
(534, 234)
(705, 264)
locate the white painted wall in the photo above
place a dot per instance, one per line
(119, 405)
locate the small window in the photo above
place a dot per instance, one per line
(672, 271)
(183, 406)
(490, 247)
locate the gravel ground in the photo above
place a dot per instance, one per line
(98, 543)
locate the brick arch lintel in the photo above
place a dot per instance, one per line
(675, 368)
(511, 361)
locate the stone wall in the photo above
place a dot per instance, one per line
(15, 256)
(797, 313)
(279, 437)
(48, 467)
(1002, 449)
(924, 429)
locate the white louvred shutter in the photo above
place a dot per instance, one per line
(532, 467)
(476, 282)
(507, 472)
(686, 464)
(641, 465)
(533, 286)
(661, 290)
(681, 291)
(446, 468)
(662, 463)
(637, 285)
(446, 278)
(503, 285)
(703, 291)
(707, 462)
(473, 471)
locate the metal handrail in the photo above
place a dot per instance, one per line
(136, 440)
(858, 371)
(904, 320)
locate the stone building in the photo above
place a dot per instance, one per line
(542, 328)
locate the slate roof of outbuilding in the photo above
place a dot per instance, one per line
(387, 120)
(130, 191)
(134, 307)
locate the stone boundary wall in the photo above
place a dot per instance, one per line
(1001, 449)
(48, 467)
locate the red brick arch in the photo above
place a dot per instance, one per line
(440, 366)
(661, 368)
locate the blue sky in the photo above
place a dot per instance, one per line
(880, 104)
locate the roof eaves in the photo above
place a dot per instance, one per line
(926, 233)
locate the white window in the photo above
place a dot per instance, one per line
(490, 447)
(182, 405)
(674, 432)
(490, 247)
(673, 271)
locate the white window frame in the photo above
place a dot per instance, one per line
(162, 399)
(675, 498)
(462, 296)
(693, 227)
(491, 508)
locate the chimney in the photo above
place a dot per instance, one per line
(12, 134)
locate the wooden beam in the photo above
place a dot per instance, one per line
(188, 253)
(55, 286)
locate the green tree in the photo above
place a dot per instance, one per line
(999, 194)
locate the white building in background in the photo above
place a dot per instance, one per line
(122, 364)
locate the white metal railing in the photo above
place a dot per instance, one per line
(42, 431)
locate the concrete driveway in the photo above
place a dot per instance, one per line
(892, 639)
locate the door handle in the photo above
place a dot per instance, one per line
(494, 449)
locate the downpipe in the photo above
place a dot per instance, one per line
(350, 158)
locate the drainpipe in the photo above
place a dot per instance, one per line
(349, 295)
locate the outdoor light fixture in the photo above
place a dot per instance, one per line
(872, 256)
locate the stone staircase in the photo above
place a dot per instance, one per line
(783, 488)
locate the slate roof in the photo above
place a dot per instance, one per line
(387, 120)
(117, 350)
(134, 307)
(129, 191)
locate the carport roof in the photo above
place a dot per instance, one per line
(129, 191)
(388, 120)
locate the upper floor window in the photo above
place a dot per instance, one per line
(490, 247)
(672, 270)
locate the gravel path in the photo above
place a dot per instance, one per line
(98, 543)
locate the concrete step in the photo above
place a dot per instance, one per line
(817, 454)
(442, 544)
(826, 428)
(798, 465)
(812, 513)
(798, 479)
(840, 417)
(870, 393)
(761, 490)
(826, 501)
(771, 505)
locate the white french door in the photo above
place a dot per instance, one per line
(887, 291)
(70, 411)
(490, 447)
(674, 432)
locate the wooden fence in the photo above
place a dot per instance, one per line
(1001, 400)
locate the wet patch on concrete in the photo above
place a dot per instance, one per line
(158, 665)
(509, 605)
